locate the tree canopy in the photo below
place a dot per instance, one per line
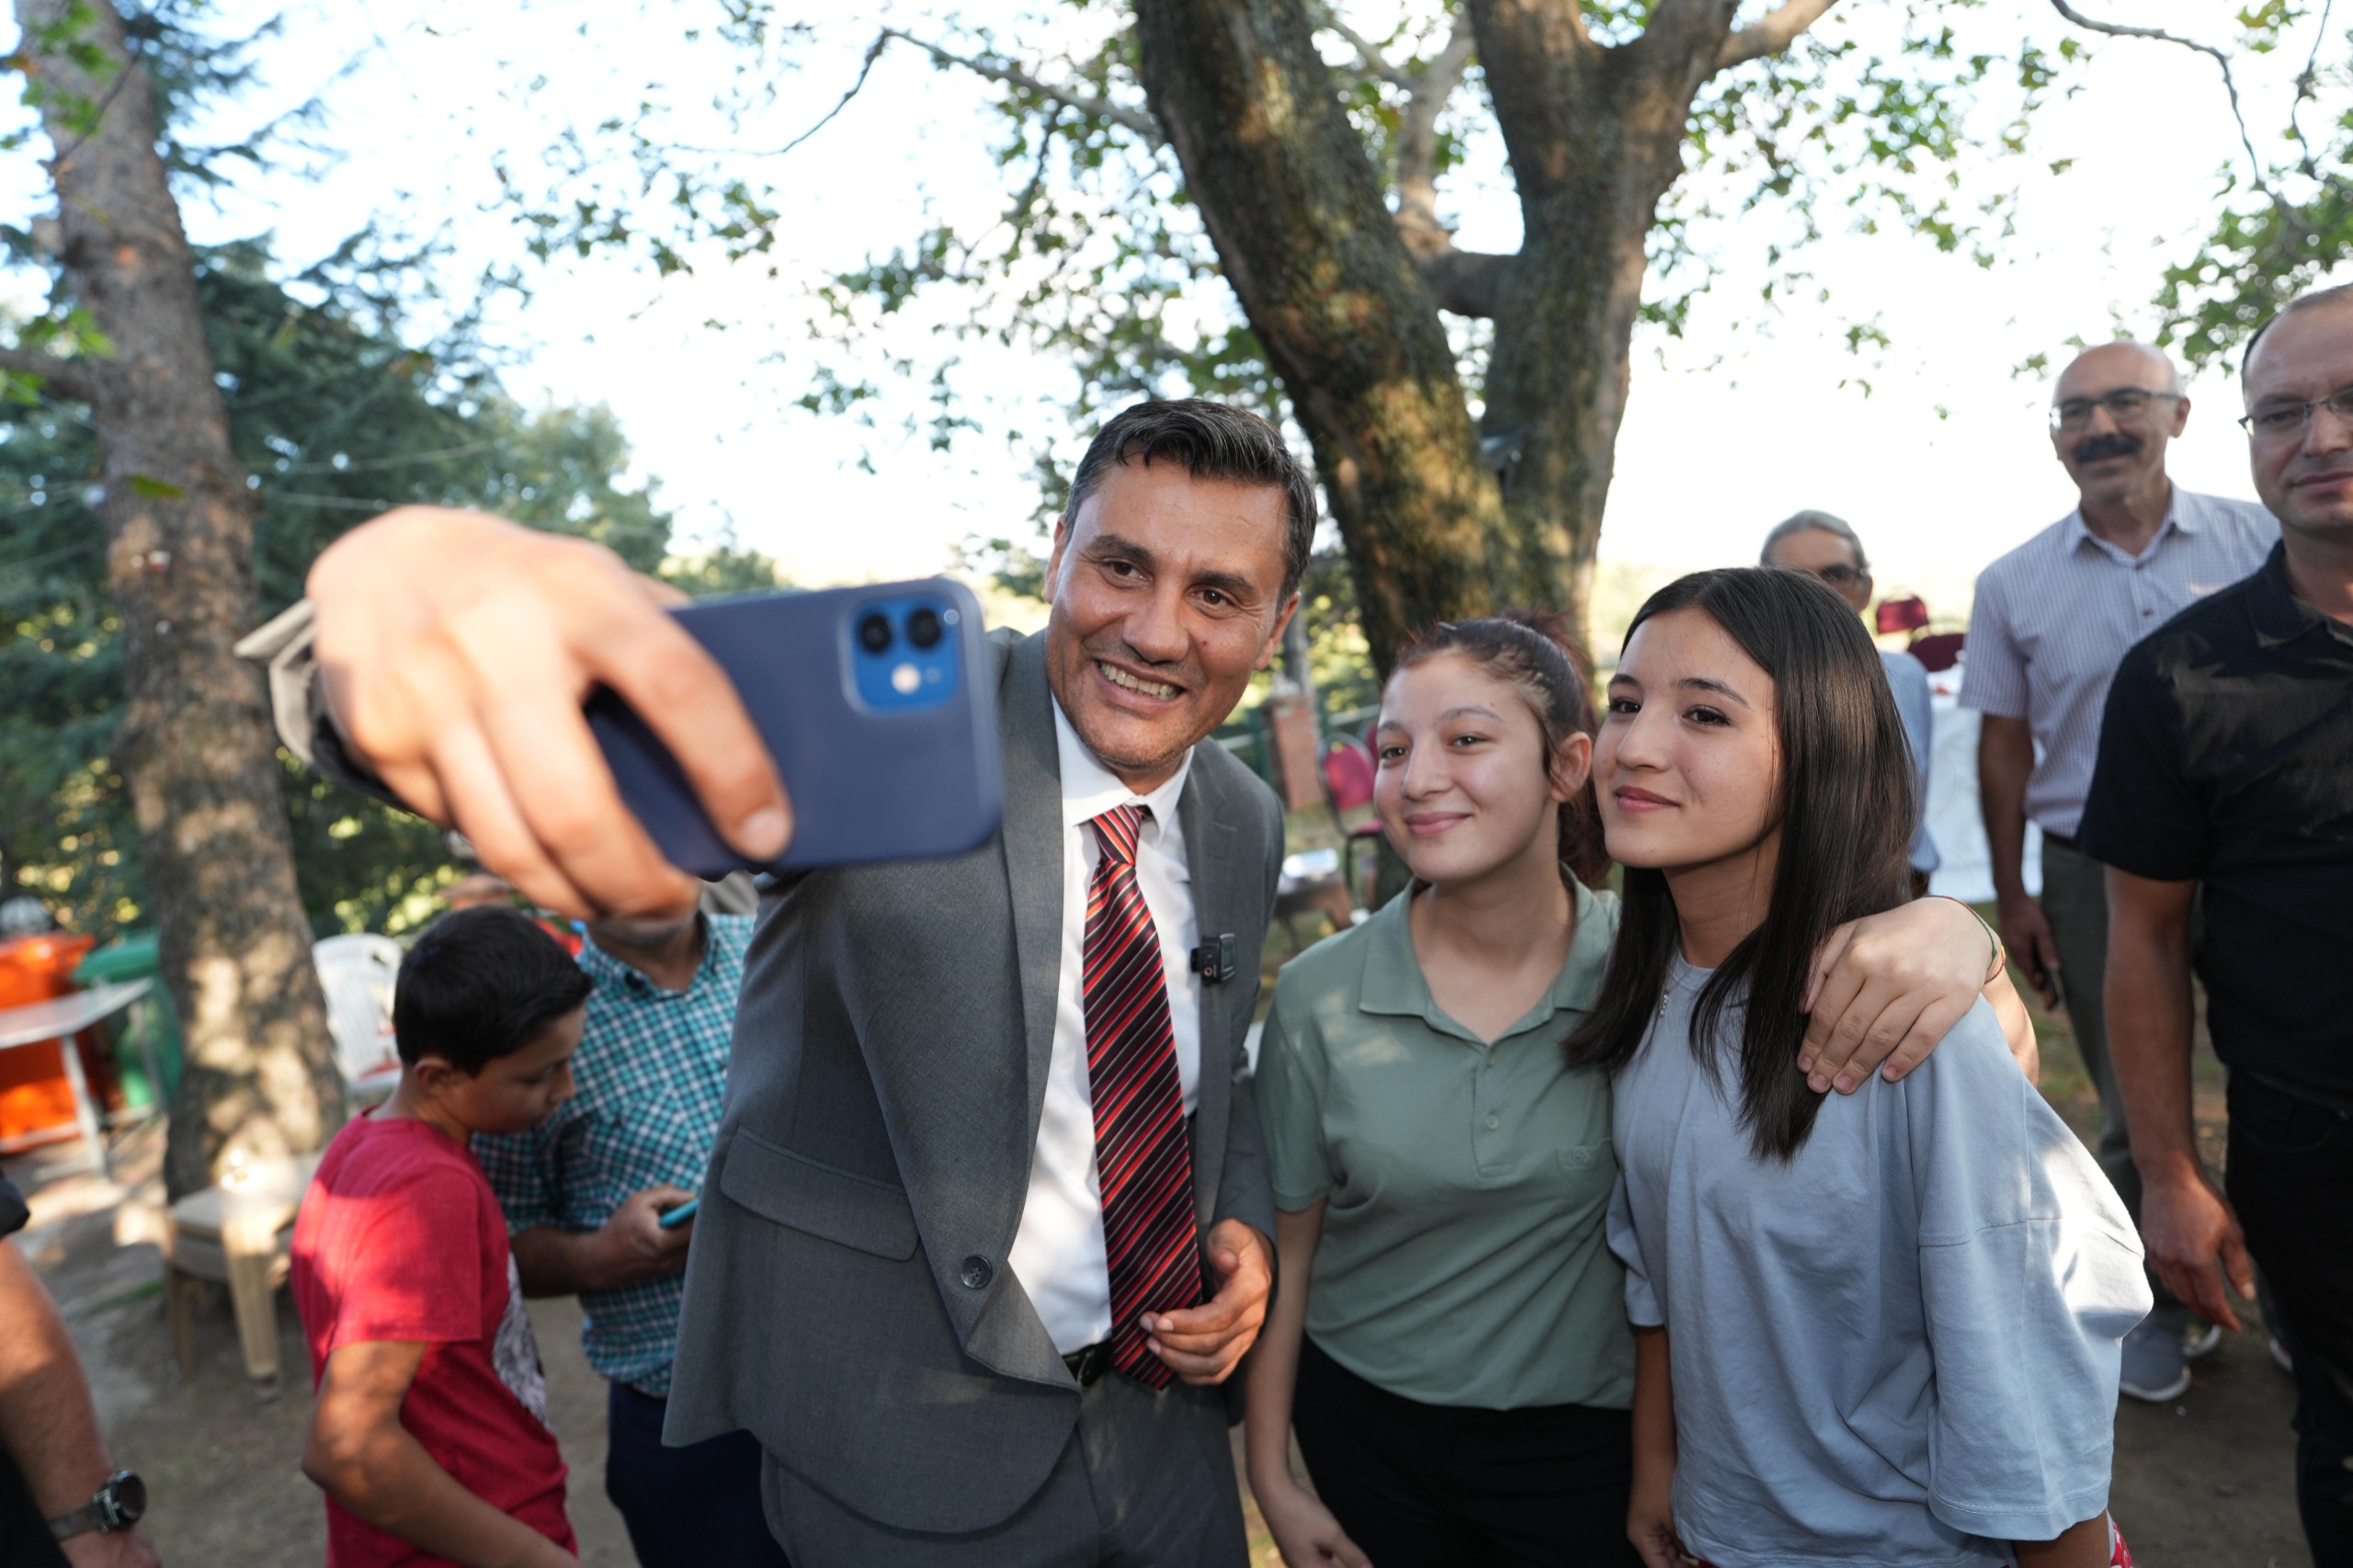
(336, 417)
(1644, 140)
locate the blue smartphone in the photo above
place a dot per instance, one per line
(671, 1219)
(877, 705)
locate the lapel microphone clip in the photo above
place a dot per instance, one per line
(1213, 960)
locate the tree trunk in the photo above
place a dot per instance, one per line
(196, 744)
(1595, 137)
(1352, 330)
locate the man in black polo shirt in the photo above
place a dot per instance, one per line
(2226, 765)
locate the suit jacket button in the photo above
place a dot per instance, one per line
(975, 1273)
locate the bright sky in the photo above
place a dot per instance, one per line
(1944, 464)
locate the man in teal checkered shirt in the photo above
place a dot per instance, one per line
(584, 1193)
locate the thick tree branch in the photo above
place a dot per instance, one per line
(1465, 282)
(69, 379)
(2221, 63)
(1427, 92)
(1142, 124)
(1772, 32)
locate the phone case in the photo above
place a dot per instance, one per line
(876, 771)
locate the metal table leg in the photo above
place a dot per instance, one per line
(86, 1111)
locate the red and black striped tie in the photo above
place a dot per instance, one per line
(1139, 1143)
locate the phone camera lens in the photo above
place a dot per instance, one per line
(923, 627)
(874, 632)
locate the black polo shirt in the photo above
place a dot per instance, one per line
(2226, 758)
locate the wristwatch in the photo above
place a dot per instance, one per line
(117, 1505)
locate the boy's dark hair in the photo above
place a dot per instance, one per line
(1213, 440)
(482, 984)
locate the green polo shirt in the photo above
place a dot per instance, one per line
(1466, 1185)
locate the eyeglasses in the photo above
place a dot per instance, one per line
(2281, 421)
(2123, 404)
(1838, 573)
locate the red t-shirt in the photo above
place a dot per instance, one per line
(399, 1239)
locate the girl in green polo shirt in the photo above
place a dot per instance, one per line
(1450, 1341)
(1461, 1387)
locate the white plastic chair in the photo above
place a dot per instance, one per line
(357, 973)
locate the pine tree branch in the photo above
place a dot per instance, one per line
(1772, 33)
(1137, 121)
(2221, 63)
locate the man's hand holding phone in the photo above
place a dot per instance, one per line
(457, 650)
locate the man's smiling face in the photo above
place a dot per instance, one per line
(1167, 592)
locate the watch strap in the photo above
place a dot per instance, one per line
(89, 1517)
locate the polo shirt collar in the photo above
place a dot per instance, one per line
(1089, 789)
(1393, 982)
(2279, 617)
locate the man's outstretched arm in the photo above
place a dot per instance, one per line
(454, 651)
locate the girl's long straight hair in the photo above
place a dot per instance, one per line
(1843, 805)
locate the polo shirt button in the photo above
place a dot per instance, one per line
(975, 1273)
(1493, 1121)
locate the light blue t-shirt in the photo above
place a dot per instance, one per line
(1899, 1348)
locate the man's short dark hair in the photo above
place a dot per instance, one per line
(482, 984)
(1213, 440)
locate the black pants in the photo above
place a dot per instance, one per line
(1440, 1486)
(2291, 1182)
(692, 1507)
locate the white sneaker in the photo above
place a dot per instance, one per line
(2154, 1368)
(2199, 1339)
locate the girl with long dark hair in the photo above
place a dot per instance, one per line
(1880, 1329)
(1451, 1339)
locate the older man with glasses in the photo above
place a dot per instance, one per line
(2052, 620)
(1824, 546)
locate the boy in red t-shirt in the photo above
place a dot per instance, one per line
(431, 1435)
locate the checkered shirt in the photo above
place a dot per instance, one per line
(650, 1075)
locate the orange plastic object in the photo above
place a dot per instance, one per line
(36, 1101)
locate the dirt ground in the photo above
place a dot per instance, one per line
(2205, 1483)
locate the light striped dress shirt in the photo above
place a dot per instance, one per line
(2054, 617)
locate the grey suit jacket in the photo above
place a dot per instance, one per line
(847, 1295)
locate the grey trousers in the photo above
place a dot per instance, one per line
(2074, 900)
(1146, 1480)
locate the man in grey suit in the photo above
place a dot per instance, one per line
(986, 1148)
(908, 1265)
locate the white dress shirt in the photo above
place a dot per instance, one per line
(1059, 1252)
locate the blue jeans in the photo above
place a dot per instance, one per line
(692, 1507)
